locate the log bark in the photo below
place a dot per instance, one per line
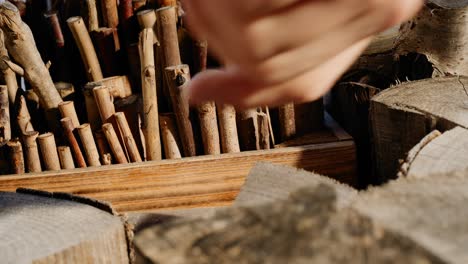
(84, 230)
(68, 128)
(31, 152)
(114, 144)
(67, 109)
(5, 123)
(263, 131)
(54, 23)
(132, 107)
(24, 51)
(49, 152)
(401, 116)
(104, 102)
(167, 34)
(66, 158)
(170, 136)
(92, 110)
(228, 129)
(129, 140)
(16, 157)
(89, 145)
(87, 51)
(178, 78)
(103, 147)
(440, 32)
(150, 120)
(247, 123)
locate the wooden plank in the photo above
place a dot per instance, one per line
(186, 183)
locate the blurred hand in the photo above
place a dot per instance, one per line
(280, 51)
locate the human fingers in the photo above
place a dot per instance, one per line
(234, 87)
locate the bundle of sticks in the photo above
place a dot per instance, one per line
(135, 60)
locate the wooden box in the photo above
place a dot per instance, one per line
(195, 182)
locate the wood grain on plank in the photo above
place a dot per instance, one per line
(191, 182)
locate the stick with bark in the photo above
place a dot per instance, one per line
(89, 146)
(114, 143)
(129, 141)
(68, 128)
(49, 152)
(5, 125)
(178, 78)
(24, 118)
(87, 51)
(104, 102)
(91, 15)
(31, 152)
(110, 13)
(228, 129)
(206, 111)
(66, 158)
(287, 121)
(67, 109)
(103, 147)
(8, 74)
(150, 101)
(21, 46)
(170, 136)
(16, 156)
(119, 86)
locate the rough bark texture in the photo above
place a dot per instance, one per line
(5, 124)
(21, 46)
(441, 34)
(401, 116)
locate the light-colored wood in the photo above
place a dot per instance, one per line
(247, 127)
(92, 110)
(119, 86)
(439, 154)
(49, 152)
(191, 182)
(129, 141)
(52, 228)
(209, 128)
(5, 124)
(31, 152)
(68, 128)
(24, 52)
(178, 78)
(67, 109)
(114, 144)
(170, 136)
(150, 122)
(16, 156)
(228, 128)
(167, 35)
(287, 121)
(89, 146)
(8, 74)
(66, 158)
(87, 51)
(401, 116)
(104, 102)
(92, 15)
(110, 13)
(65, 89)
